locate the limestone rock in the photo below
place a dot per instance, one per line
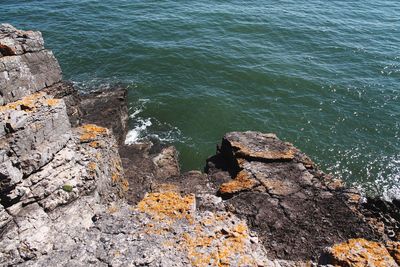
(66, 91)
(26, 74)
(34, 130)
(25, 66)
(164, 229)
(358, 253)
(18, 42)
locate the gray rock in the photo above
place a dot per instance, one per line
(25, 74)
(66, 91)
(18, 42)
(37, 128)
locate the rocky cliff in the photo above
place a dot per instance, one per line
(72, 194)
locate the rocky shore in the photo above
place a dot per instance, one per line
(73, 194)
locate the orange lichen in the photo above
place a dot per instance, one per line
(52, 101)
(219, 249)
(394, 250)
(242, 181)
(94, 144)
(112, 209)
(115, 177)
(167, 205)
(205, 243)
(335, 184)
(360, 252)
(124, 185)
(91, 132)
(27, 103)
(92, 166)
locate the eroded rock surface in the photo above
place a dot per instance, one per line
(295, 208)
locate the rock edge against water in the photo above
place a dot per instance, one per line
(71, 192)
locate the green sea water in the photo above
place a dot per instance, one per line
(324, 75)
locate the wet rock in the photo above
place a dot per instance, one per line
(139, 169)
(384, 216)
(358, 252)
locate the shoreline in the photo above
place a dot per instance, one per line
(68, 178)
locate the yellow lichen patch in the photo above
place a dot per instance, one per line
(27, 103)
(241, 182)
(91, 132)
(115, 177)
(117, 253)
(112, 209)
(223, 248)
(167, 205)
(208, 240)
(92, 166)
(124, 185)
(52, 101)
(95, 144)
(242, 151)
(360, 252)
(394, 250)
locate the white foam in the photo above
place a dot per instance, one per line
(135, 135)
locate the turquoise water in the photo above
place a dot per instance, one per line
(324, 75)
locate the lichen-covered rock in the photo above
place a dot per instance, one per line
(99, 107)
(296, 209)
(57, 203)
(359, 253)
(164, 229)
(33, 130)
